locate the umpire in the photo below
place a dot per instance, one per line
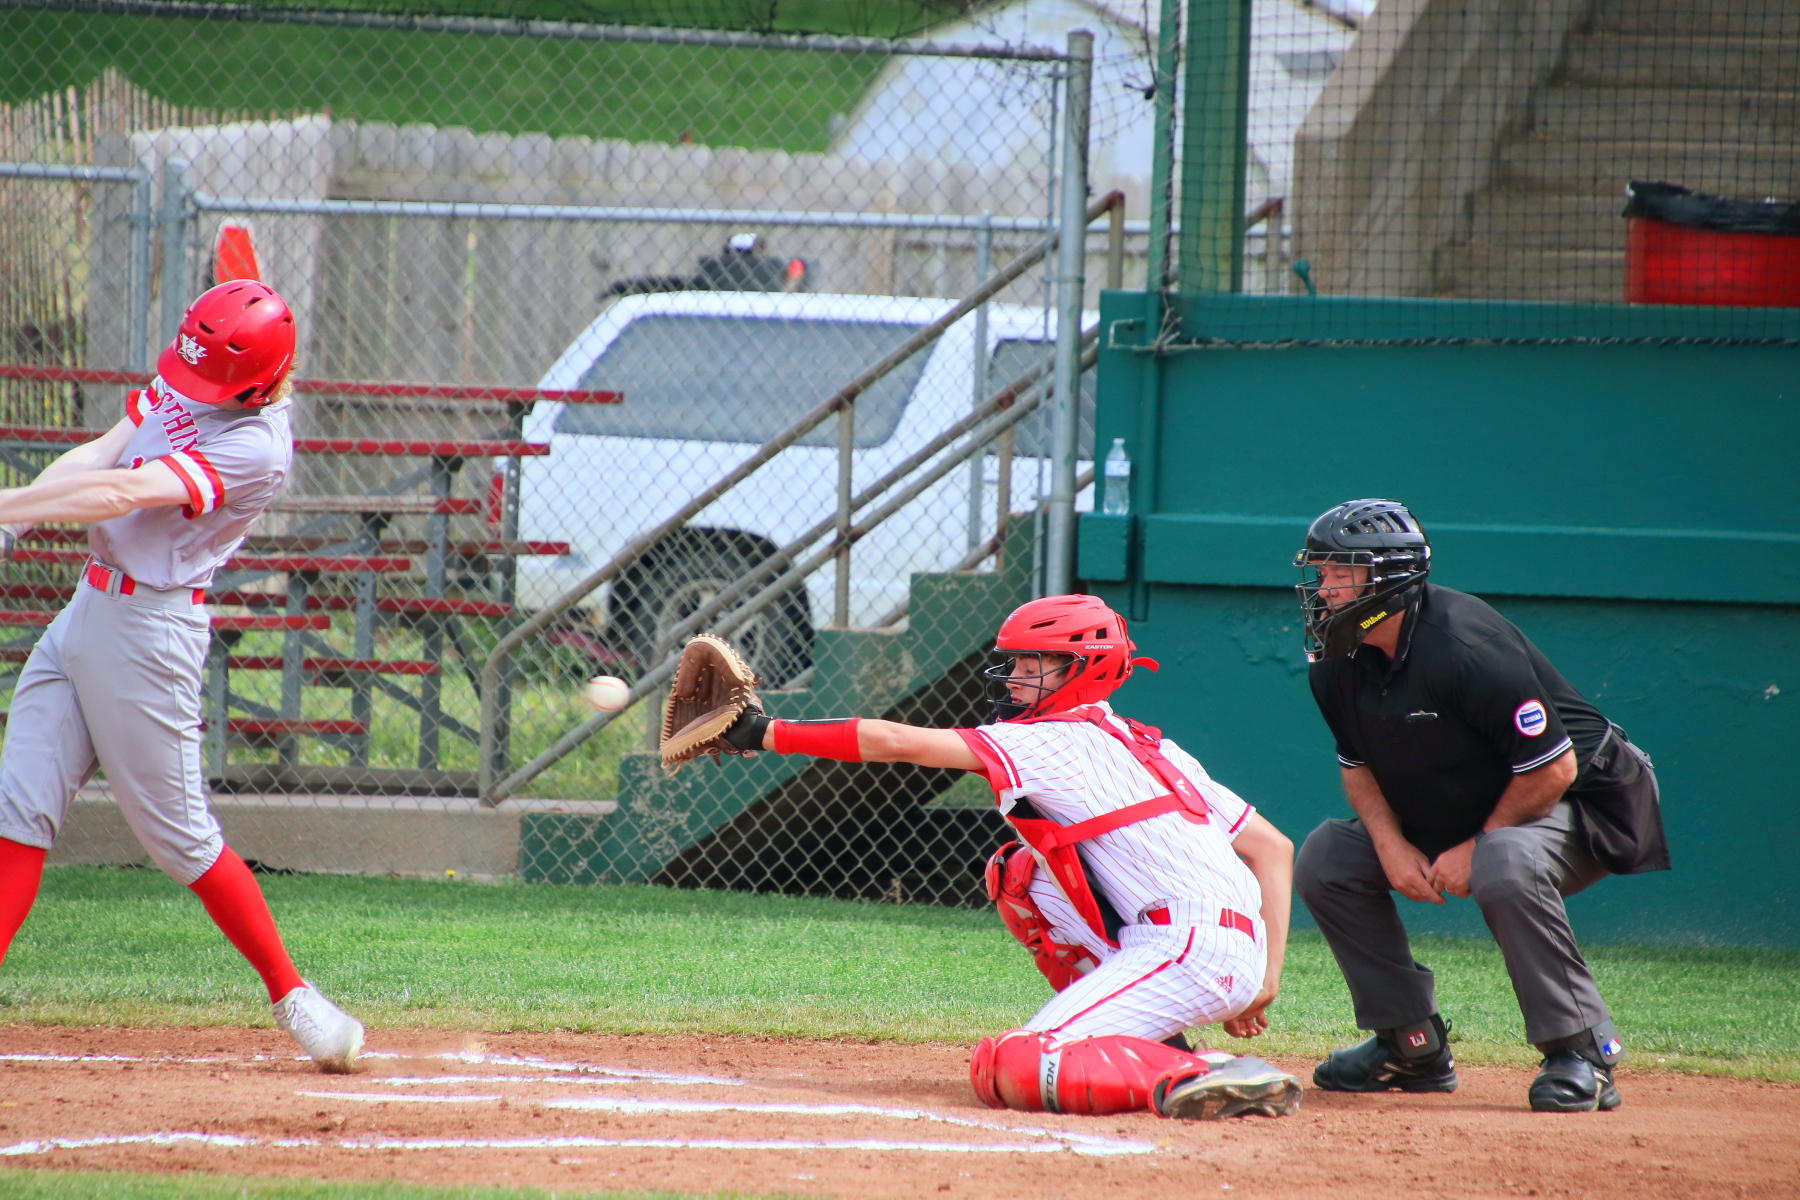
(1475, 769)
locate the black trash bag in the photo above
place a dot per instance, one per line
(1696, 210)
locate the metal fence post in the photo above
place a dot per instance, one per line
(984, 264)
(1071, 282)
(137, 317)
(174, 247)
(840, 609)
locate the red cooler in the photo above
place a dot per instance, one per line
(1684, 247)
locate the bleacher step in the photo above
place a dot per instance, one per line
(1558, 276)
(1698, 18)
(1603, 168)
(1755, 61)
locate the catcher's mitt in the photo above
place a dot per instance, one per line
(712, 689)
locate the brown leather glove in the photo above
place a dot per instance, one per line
(713, 688)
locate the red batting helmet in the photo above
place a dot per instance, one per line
(236, 343)
(1081, 627)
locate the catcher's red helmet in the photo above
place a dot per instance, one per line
(1082, 627)
(236, 343)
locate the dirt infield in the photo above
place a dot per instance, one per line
(828, 1119)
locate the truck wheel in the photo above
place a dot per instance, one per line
(675, 580)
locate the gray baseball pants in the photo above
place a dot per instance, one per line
(115, 683)
(1518, 877)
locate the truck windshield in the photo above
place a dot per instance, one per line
(1012, 358)
(743, 379)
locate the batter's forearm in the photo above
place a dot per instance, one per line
(96, 455)
(75, 498)
(85, 497)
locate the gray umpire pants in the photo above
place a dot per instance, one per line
(1519, 877)
(115, 683)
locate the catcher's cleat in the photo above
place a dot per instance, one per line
(1239, 1088)
(1569, 1081)
(1412, 1058)
(326, 1032)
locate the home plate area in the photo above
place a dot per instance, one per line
(706, 1114)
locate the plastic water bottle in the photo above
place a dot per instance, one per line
(1115, 499)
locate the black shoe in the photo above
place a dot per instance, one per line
(1568, 1081)
(1390, 1060)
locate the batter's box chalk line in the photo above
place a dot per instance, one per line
(1038, 1140)
(1055, 1143)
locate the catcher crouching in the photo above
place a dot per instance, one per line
(1152, 898)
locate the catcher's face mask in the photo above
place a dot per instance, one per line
(1020, 682)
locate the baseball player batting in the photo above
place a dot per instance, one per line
(168, 493)
(1151, 897)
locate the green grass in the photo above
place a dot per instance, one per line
(129, 947)
(754, 98)
(16, 1184)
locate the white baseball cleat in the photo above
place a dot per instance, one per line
(1239, 1088)
(329, 1034)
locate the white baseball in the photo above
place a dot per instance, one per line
(606, 693)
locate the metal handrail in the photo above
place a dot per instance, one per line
(1004, 398)
(638, 546)
(651, 681)
(21, 170)
(492, 210)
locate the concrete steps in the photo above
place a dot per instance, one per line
(1701, 93)
(1702, 18)
(1538, 221)
(1578, 168)
(1752, 64)
(1580, 112)
(778, 822)
(1552, 276)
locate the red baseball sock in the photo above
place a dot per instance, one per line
(21, 870)
(236, 905)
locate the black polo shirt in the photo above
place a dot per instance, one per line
(1469, 704)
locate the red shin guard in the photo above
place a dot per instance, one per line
(236, 905)
(822, 739)
(1094, 1076)
(21, 870)
(1009, 874)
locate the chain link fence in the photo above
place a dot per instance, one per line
(610, 334)
(567, 297)
(1483, 152)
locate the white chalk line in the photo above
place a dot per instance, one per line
(445, 1080)
(620, 1074)
(540, 1064)
(579, 1142)
(388, 1098)
(235, 1142)
(227, 1140)
(794, 1108)
(580, 1072)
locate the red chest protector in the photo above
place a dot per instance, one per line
(1055, 844)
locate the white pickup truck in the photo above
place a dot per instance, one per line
(710, 376)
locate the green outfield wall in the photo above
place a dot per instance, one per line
(1621, 483)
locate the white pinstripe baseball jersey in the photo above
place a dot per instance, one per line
(233, 465)
(1071, 771)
